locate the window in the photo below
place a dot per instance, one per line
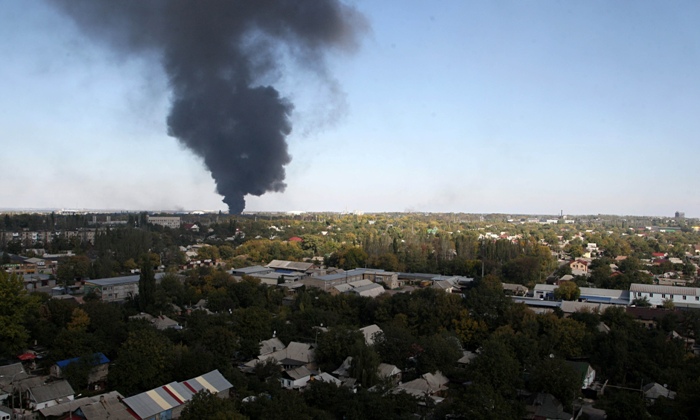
(683, 297)
(663, 295)
(651, 295)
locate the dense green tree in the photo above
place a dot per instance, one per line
(16, 306)
(497, 367)
(567, 290)
(205, 405)
(145, 361)
(554, 376)
(147, 285)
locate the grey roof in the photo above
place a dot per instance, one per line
(385, 370)
(294, 353)
(360, 283)
(211, 379)
(340, 276)
(514, 287)
(110, 399)
(326, 377)
(370, 332)
(113, 281)
(369, 290)
(271, 346)
(255, 269)
(549, 407)
(9, 372)
(342, 288)
(290, 265)
(344, 368)
(51, 391)
(150, 403)
(672, 290)
(467, 357)
(298, 373)
(655, 390)
(108, 409)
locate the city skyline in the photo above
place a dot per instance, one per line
(504, 108)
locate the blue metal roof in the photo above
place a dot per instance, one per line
(96, 359)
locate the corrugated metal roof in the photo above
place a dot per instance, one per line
(52, 391)
(673, 290)
(95, 359)
(360, 283)
(112, 281)
(342, 288)
(290, 265)
(592, 291)
(251, 270)
(167, 397)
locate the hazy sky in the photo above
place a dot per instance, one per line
(457, 106)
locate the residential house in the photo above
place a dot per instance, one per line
(467, 357)
(49, 394)
(10, 375)
(161, 322)
(97, 377)
(585, 371)
(653, 391)
(294, 355)
(389, 373)
(97, 407)
(370, 333)
(428, 385)
(546, 407)
(514, 289)
(579, 267)
(296, 378)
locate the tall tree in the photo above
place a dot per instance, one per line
(147, 285)
(205, 405)
(14, 307)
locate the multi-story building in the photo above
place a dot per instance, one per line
(172, 222)
(116, 289)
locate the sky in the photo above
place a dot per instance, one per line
(453, 106)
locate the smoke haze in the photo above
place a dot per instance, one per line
(216, 54)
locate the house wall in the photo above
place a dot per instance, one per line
(657, 299)
(390, 279)
(114, 293)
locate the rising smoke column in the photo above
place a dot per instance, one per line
(215, 54)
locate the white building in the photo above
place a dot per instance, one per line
(171, 222)
(656, 294)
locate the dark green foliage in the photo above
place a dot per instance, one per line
(555, 376)
(147, 285)
(144, 361)
(205, 405)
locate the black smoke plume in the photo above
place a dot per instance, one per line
(216, 54)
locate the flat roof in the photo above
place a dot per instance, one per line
(672, 290)
(112, 281)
